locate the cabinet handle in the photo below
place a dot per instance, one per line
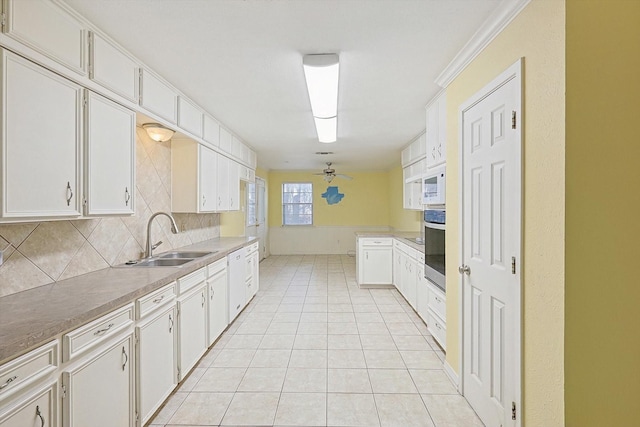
(438, 299)
(204, 200)
(212, 292)
(126, 358)
(39, 415)
(219, 201)
(232, 201)
(158, 300)
(69, 193)
(170, 323)
(127, 196)
(366, 255)
(238, 307)
(102, 331)
(203, 299)
(9, 381)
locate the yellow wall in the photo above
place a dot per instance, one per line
(366, 200)
(233, 224)
(602, 338)
(399, 218)
(537, 34)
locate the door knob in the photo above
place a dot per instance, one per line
(464, 269)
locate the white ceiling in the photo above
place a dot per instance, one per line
(242, 62)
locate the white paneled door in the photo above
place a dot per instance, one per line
(491, 255)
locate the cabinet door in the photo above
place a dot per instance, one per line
(223, 183)
(192, 326)
(236, 289)
(113, 68)
(100, 391)
(211, 131)
(39, 408)
(234, 186)
(207, 177)
(422, 294)
(110, 145)
(226, 140)
(189, 116)
(46, 27)
(255, 276)
(42, 121)
(156, 361)
(441, 145)
(218, 319)
(377, 263)
(397, 268)
(158, 97)
(432, 134)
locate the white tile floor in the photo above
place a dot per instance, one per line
(312, 349)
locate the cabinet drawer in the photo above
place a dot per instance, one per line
(378, 241)
(91, 334)
(252, 248)
(437, 328)
(27, 369)
(191, 280)
(149, 303)
(216, 267)
(437, 302)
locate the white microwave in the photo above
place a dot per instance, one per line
(433, 187)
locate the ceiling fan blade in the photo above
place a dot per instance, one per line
(347, 177)
(321, 173)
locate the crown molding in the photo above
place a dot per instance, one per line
(503, 15)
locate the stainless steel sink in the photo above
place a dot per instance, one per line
(161, 262)
(185, 254)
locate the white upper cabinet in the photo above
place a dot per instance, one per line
(45, 27)
(436, 143)
(113, 68)
(414, 152)
(253, 159)
(225, 140)
(110, 145)
(158, 97)
(234, 186)
(222, 180)
(189, 117)
(41, 141)
(211, 131)
(207, 179)
(236, 148)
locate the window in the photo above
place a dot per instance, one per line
(251, 204)
(297, 203)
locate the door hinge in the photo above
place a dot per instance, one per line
(137, 417)
(513, 119)
(139, 86)
(63, 388)
(513, 265)
(513, 411)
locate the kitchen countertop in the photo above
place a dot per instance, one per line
(31, 318)
(406, 237)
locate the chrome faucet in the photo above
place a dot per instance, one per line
(174, 229)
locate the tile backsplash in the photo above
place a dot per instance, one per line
(39, 253)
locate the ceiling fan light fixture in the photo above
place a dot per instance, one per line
(158, 132)
(328, 178)
(322, 74)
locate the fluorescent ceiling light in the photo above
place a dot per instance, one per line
(157, 132)
(327, 129)
(321, 73)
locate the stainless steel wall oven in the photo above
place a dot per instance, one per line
(434, 254)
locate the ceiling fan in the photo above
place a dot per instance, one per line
(330, 173)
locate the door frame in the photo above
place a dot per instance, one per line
(515, 71)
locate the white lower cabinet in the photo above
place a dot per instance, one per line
(422, 294)
(156, 359)
(251, 279)
(38, 409)
(98, 390)
(237, 283)
(374, 261)
(436, 314)
(217, 308)
(192, 322)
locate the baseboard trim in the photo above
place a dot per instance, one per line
(452, 375)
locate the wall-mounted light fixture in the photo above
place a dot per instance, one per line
(321, 73)
(157, 132)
